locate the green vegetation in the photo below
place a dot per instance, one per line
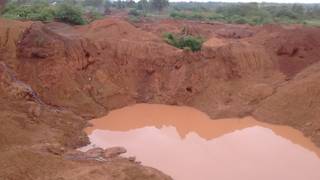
(135, 12)
(159, 5)
(246, 13)
(238, 13)
(42, 10)
(313, 22)
(249, 13)
(37, 11)
(187, 15)
(83, 11)
(143, 5)
(144, 8)
(134, 19)
(69, 14)
(93, 3)
(184, 41)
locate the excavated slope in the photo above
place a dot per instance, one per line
(54, 77)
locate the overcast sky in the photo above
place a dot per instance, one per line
(279, 1)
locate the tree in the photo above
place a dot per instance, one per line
(120, 4)
(23, 1)
(107, 7)
(143, 5)
(130, 3)
(298, 9)
(159, 5)
(94, 3)
(69, 13)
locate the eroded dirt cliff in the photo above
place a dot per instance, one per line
(54, 77)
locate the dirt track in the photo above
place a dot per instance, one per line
(54, 77)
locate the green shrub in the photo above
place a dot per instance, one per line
(184, 42)
(134, 12)
(238, 19)
(178, 15)
(313, 22)
(134, 19)
(194, 43)
(173, 14)
(172, 40)
(216, 17)
(69, 14)
(42, 11)
(287, 13)
(96, 15)
(35, 12)
(197, 16)
(46, 15)
(187, 15)
(136, 15)
(93, 15)
(260, 20)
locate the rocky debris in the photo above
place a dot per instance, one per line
(34, 109)
(132, 158)
(308, 124)
(98, 154)
(74, 155)
(20, 90)
(94, 153)
(52, 148)
(114, 152)
(13, 87)
(55, 149)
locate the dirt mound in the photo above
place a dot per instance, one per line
(10, 34)
(196, 28)
(38, 94)
(49, 62)
(103, 60)
(296, 103)
(114, 29)
(296, 49)
(54, 77)
(235, 32)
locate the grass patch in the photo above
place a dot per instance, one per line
(313, 22)
(34, 12)
(43, 11)
(70, 14)
(184, 42)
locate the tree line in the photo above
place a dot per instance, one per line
(241, 13)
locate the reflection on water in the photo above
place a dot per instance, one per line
(186, 144)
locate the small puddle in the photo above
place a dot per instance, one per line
(187, 145)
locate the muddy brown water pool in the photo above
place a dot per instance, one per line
(187, 145)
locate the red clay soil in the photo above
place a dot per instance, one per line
(54, 77)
